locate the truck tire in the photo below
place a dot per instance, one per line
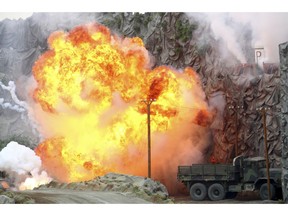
(198, 191)
(216, 192)
(264, 191)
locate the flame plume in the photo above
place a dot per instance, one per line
(90, 84)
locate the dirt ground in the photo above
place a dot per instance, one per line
(64, 196)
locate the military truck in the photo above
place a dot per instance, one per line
(220, 181)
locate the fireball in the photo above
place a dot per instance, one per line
(90, 88)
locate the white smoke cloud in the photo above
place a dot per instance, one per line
(227, 33)
(12, 89)
(10, 106)
(268, 31)
(20, 106)
(217, 101)
(23, 166)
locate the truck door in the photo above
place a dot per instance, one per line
(250, 171)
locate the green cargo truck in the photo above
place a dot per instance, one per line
(220, 181)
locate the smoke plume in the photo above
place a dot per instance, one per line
(269, 30)
(23, 166)
(241, 33)
(20, 106)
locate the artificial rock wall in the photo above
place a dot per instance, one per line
(283, 51)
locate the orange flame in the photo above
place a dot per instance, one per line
(90, 85)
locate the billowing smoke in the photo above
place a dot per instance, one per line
(268, 29)
(217, 102)
(244, 32)
(186, 144)
(222, 30)
(23, 166)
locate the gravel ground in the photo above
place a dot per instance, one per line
(65, 196)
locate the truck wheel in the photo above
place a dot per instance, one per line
(264, 191)
(198, 191)
(216, 192)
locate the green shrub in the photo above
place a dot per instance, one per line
(184, 30)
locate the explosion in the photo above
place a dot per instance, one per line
(90, 88)
(23, 166)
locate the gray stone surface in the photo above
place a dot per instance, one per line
(6, 200)
(283, 51)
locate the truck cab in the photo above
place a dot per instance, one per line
(252, 168)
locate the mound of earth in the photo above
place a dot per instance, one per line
(128, 185)
(11, 197)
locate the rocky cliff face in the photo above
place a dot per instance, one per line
(235, 90)
(283, 50)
